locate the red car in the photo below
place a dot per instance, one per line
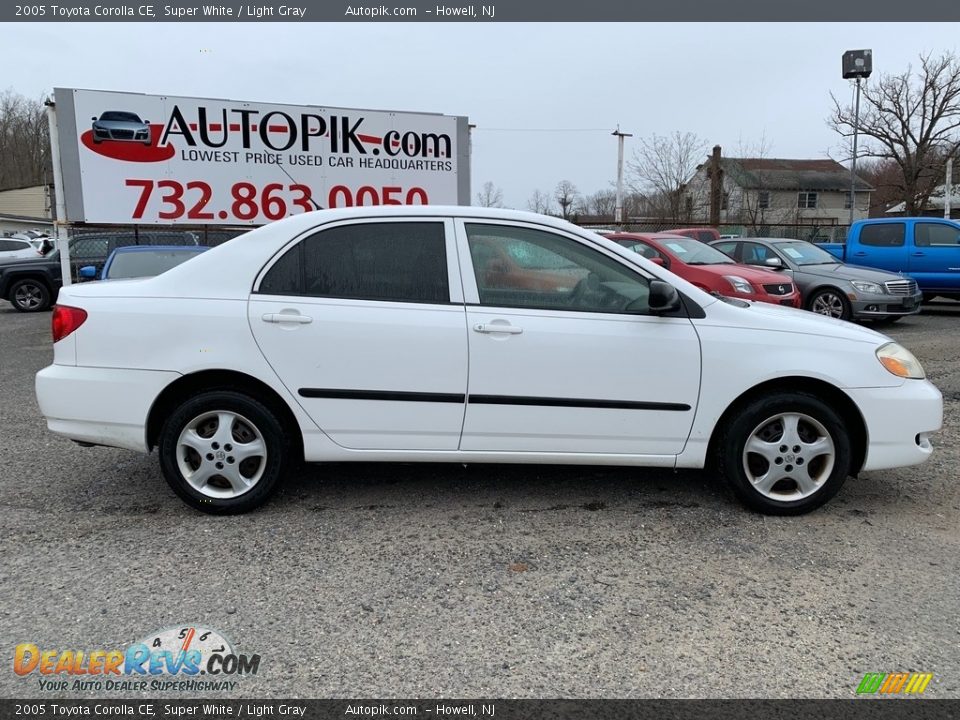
(709, 269)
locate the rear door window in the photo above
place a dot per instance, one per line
(936, 235)
(390, 261)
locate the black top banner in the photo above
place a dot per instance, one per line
(492, 11)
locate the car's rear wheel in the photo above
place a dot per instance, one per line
(29, 295)
(830, 302)
(785, 455)
(223, 452)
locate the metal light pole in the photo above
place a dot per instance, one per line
(853, 164)
(618, 210)
(856, 64)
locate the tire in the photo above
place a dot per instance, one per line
(830, 302)
(774, 481)
(201, 459)
(29, 295)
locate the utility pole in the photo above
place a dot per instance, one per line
(948, 189)
(618, 211)
(716, 186)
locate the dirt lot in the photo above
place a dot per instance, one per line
(486, 581)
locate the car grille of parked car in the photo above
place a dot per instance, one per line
(779, 289)
(123, 134)
(901, 287)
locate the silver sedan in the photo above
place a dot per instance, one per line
(828, 286)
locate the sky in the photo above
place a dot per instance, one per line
(544, 97)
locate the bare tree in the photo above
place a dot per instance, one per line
(540, 202)
(565, 195)
(886, 177)
(24, 142)
(602, 203)
(911, 119)
(490, 196)
(661, 166)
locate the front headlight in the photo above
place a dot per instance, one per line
(867, 287)
(739, 284)
(900, 361)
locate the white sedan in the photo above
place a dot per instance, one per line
(457, 334)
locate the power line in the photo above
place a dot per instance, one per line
(483, 129)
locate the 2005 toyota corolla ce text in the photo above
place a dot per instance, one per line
(470, 335)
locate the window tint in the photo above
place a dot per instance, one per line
(8, 245)
(883, 234)
(754, 254)
(727, 248)
(936, 234)
(403, 262)
(521, 267)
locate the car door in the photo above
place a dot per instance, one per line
(577, 364)
(881, 245)
(364, 324)
(935, 257)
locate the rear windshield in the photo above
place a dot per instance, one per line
(146, 264)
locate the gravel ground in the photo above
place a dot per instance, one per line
(486, 581)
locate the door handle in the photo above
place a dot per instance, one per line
(491, 328)
(919, 254)
(859, 254)
(287, 318)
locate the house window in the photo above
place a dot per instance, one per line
(807, 200)
(724, 199)
(846, 201)
(763, 200)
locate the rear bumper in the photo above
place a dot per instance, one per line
(899, 421)
(103, 406)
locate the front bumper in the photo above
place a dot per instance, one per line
(102, 406)
(899, 422)
(867, 305)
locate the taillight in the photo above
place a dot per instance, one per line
(65, 320)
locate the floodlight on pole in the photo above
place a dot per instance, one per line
(618, 210)
(857, 64)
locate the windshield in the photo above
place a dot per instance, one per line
(694, 252)
(119, 117)
(804, 253)
(146, 264)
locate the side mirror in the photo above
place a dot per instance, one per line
(663, 298)
(88, 272)
(774, 262)
(94, 118)
(657, 261)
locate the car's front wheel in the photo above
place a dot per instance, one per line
(785, 455)
(223, 452)
(831, 303)
(29, 295)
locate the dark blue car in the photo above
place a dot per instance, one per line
(134, 261)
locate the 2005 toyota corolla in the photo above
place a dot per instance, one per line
(402, 333)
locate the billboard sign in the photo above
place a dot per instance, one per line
(131, 158)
